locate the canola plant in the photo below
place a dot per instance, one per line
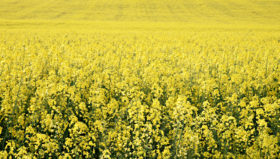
(140, 95)
(139, 79)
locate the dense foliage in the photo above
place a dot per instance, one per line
(141, 94)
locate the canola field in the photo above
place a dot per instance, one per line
(140, 79)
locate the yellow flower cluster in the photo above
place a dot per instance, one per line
(141, 94)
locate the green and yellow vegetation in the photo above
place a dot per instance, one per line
(139, 79)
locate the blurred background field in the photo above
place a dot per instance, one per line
(138, 14)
